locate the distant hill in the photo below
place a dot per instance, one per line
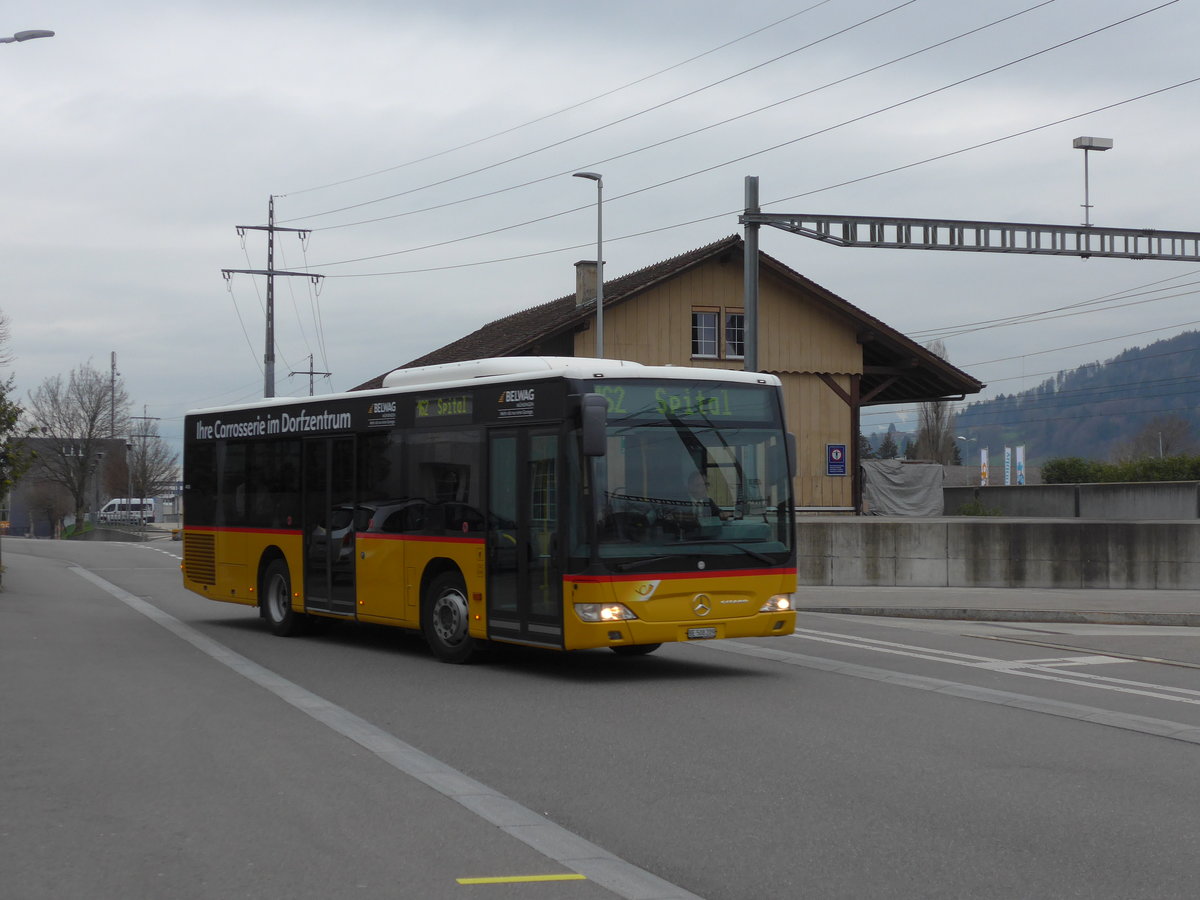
(1090, 410)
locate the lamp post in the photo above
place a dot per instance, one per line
(27, 35)
(129, 472)
(595, 176)
(983, 457)
(1087, 144)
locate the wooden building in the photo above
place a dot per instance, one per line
(832, 357)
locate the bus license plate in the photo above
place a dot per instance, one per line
(700, 634)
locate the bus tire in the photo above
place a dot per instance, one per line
(276, 600)
(634, 649)
(445, 620)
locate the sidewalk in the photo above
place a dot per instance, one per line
(1097, 606)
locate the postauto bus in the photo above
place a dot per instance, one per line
(565, 503)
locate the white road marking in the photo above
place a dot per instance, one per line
(571, 851)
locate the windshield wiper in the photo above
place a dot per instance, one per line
(638, 563)
(761, 557)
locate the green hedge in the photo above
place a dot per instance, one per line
(1075, 470)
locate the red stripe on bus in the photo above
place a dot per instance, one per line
(378, 536)
(228, 529)
(675, 576)
(222, 529)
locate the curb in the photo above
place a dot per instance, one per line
(1079, 617)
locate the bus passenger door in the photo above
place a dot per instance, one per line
(523, 546)
(329, 525)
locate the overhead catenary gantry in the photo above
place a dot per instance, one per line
(967, 235)
(961, 235)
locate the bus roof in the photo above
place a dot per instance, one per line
(508, 368)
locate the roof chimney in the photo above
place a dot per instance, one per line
(585, 282)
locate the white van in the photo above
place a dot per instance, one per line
(126, 511)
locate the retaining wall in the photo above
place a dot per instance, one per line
(989, 552)
(1138, 502)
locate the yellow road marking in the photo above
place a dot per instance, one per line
(518, 879)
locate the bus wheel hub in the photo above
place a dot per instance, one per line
(450, 617)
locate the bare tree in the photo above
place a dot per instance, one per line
(73, 419)
(1162, 436)
(935, 424)
(6, 357)
(153, 467)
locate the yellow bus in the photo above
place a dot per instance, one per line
(564, 503)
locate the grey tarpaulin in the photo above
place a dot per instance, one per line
(893, 487)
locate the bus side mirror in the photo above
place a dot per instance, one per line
(593, 410)
(791, 454)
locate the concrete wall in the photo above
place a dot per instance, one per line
(1123, 502)
(989, 552)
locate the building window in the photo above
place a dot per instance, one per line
(735, 334)
(704, 333)
(718, 333)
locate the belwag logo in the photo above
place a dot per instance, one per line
(516, 403)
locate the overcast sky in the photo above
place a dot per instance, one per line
(429, 148)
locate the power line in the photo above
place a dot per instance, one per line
(1095, 415)
(1115, 295)
(564, 109)
(1027, 399)
(822, 131)
(1106, 340)
(619, 121)
(595, 164)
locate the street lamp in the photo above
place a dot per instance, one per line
(595, 176)
(27, 35)
(983, 457)
(1085, 144)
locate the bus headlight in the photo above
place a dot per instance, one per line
(778, 603)
(603, 612)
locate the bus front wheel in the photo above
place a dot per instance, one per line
(277, 600)
(445, 620)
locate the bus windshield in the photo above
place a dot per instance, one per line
(699, 470)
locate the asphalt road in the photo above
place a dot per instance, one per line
(155, 744)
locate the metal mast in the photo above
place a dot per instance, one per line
(270, 271)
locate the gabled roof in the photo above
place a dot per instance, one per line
(897, 369)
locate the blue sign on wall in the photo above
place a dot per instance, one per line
(835, 459)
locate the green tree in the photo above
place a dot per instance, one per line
(15, 456)
(888, 449)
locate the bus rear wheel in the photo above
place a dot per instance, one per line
(634, 649)
(445, 620)
(276, 600)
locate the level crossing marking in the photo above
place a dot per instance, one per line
(1149, 725)
(1044, 670)
(1064, 662)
